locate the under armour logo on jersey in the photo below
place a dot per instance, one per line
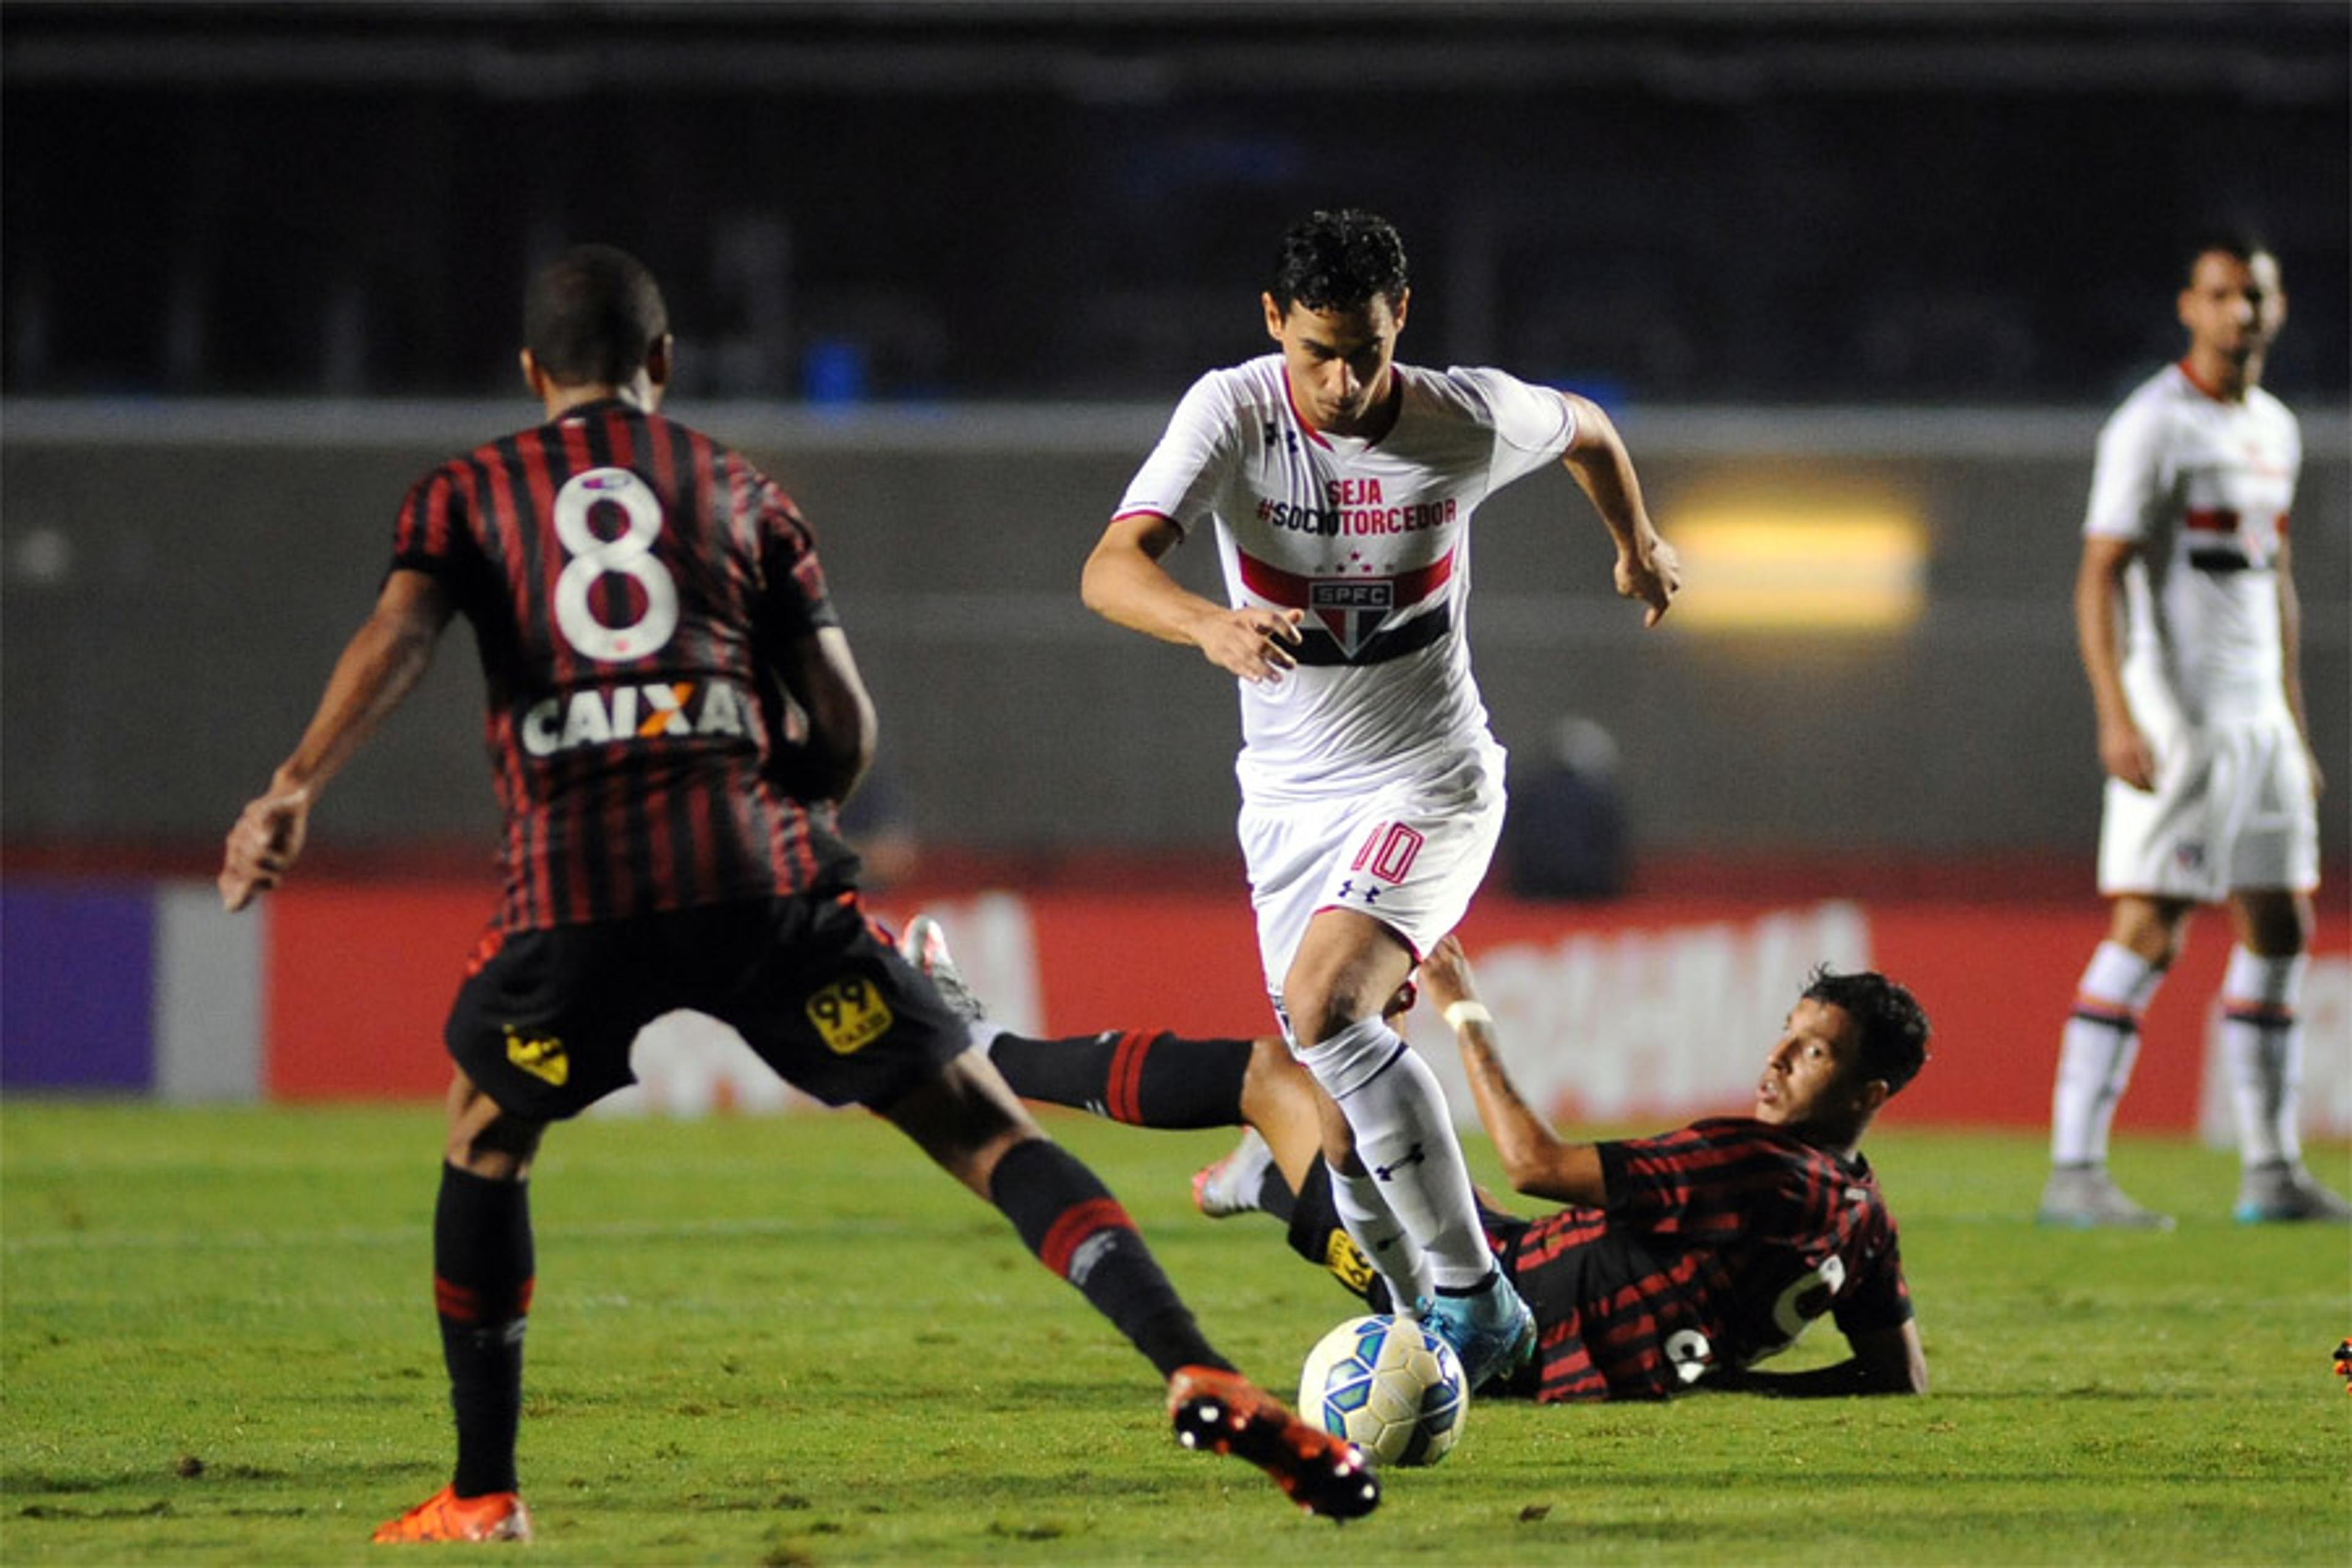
(1389, 1173)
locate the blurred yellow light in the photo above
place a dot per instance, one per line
(1785, 568)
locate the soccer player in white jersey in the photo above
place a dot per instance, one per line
(2211, 782)
(1340, 485)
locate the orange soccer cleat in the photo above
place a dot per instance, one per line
(445, 1516)
(1224, 1413)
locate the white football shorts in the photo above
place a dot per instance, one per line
(2232, 811)
(1409, 855)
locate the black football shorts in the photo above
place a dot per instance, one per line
(545, 1018)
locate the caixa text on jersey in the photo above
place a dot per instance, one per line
(596, 716)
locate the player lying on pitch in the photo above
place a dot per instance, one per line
(1682, 1261)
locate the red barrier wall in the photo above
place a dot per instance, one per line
(360, 975)
(357, 979)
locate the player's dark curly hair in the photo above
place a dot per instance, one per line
(2231, 240)
(590, 315)
(1893, 1025)
(1337, 261)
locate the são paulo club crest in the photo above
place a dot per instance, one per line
(1352, 611)
(1368, 617)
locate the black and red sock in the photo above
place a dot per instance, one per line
(483, 1272)
(1143, 1079)
(1079, 1230)
(1318, 1235)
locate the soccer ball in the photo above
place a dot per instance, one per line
(1388, 1385)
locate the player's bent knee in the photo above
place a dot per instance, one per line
(2150, 927)
(2275, 923)
(1348, 1059)
(965, 1118)
(973, 1162)
(1332, 991)
(490, 1144)
(1321, 1008)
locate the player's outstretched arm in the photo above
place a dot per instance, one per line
(2123, 750)
(1647, 567)
(1535, 1159)
(380, 666)
(1885, 1360)
(1125, 583)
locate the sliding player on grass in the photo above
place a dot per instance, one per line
(674, 716)
(1682, 1261)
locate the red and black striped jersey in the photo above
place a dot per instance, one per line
(629, 581)
(1721, 1243)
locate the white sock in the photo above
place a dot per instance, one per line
(2262, 1038)
(1373, 1226)
(1405, 1139)
(2096, 1051)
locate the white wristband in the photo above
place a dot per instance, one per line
(1458, 1014)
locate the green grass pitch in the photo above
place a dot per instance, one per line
(793, 1342)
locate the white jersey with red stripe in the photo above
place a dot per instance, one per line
(1372, 539)
(2203, 486)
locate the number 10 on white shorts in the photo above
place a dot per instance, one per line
(1415, 873)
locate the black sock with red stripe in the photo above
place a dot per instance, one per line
(482, 1276)
(1142, 1080)
(1079, 1230)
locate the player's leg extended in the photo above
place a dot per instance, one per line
(1342, 1058)
(482, 1276)
(1280, 1172)
(1203, 1083)
(1150, 1079)
(2261, 1038)
(540, 1030)
(1141, 1076)
(966, 1117)
(1393, 1137)
(1387, 1118)
(2096, 1052)
(1292, 853)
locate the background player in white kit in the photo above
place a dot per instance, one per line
(1341, 486)
(2212, 783)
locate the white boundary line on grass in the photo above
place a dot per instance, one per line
(352, 1236)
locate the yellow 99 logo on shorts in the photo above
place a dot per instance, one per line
(849, 1014)
(542, 1057)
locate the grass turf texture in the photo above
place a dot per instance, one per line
(789, 1342)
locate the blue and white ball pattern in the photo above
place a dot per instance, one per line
(1388, 1385)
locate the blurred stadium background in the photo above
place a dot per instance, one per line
(1858, 280)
